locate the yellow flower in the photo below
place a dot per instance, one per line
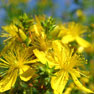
(13, 37)
(39, 39)
(66, 62)
(37, 35)
(73, 32)
(15, 62)
(37, 27)
(79, 13)
(12, 33)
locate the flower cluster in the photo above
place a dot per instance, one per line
(42, 54)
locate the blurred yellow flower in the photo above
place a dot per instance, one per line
(13, 36)
(66, 62)
(74, 32)
(16, 62)
(37, 26)
(39, 39)
(79, 13)
(12, 33)
(92, 25)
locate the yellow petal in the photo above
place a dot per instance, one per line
(77, 73)
(22, 35)
(68, 38)
(5, 62)
(57, 47)
(79, 85)
(83, 42)
(26, 73)
(42, 57)
(8, 81)
(59, 81)
(2, 65)
(68, 90)
(32, 61)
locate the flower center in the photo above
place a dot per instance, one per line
(18, 64)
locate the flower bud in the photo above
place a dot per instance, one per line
(22, 35)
